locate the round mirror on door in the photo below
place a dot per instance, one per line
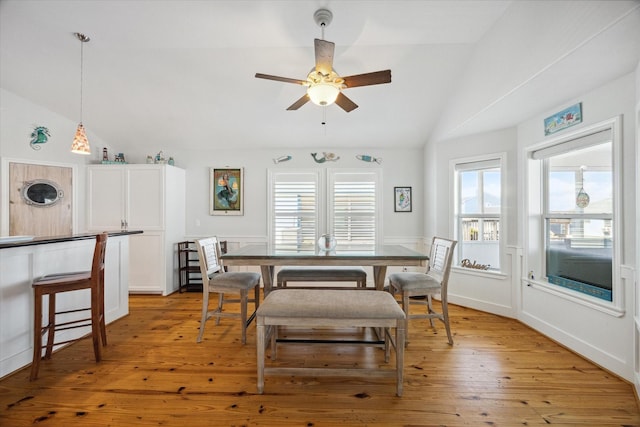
(41, 192)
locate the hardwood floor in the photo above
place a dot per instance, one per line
(498, 373)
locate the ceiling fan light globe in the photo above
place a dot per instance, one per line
(323, 93)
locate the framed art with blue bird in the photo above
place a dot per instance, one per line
(226, 191)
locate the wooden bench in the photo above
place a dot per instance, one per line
(309, 308)
(319, 274)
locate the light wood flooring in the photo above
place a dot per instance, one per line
(498, 373)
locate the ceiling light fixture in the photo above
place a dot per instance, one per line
(323, 89)
(80, 143)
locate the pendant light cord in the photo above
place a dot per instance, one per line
(81, 75)
(83, 39)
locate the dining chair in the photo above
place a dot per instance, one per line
(216, 280)
(57, 321)
(434, 281)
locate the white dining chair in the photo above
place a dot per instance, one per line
(216, 280)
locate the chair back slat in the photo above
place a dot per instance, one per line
(440, 259)
(208, 255)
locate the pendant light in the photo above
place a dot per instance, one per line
(80, 143)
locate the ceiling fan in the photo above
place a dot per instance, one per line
(324, 85)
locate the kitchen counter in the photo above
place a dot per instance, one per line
(17, 241)
(23, 260)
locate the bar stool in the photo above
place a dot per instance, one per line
(66, 282)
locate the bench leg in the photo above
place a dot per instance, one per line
(399, 355)
(260, 354)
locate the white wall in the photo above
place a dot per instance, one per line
(601, 337)
(18, 117)
(399, 168)
(476, 289)
(604, 337)
(635, 295)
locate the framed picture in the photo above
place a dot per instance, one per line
(563, 119)
(226, 191)
(402, 199)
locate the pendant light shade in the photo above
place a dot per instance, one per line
(80, 144)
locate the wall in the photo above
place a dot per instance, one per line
(636, 292)
(400, 167)
(603, 337)
(18, 118)
(481, 290)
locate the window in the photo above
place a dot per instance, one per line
(353, 207)
(294, 210)
(578, 214)
(307, 204)
(478, 213)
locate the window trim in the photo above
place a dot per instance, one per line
(474, 163)
(534, 230)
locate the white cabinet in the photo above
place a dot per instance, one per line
(131, 196)
(150, 198)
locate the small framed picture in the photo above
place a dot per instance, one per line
(226, 194)
(402, 199)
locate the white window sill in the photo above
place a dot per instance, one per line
(575, 297)
(483, 273)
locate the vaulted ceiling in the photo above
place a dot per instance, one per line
(180, 74)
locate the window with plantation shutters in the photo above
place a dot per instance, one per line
(307, 204)
(353, 208)
(294, 199)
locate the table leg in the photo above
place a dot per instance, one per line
(379, 274)
(260, 353)
(267, 278)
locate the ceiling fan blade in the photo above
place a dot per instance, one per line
(280, 79)
(324, 56)
(345, 103)
(367, 79)
(299, 103)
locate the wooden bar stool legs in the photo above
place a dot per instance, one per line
(59, 283)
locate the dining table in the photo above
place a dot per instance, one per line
(267, 257)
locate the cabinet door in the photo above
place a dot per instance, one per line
(147, 263)
(105, 197)
(145, 200)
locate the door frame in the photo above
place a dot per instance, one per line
(4, 190)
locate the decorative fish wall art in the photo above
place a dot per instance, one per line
(327, 157)
(368, 158)
(282, 159)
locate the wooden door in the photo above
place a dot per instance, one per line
(53, 219)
